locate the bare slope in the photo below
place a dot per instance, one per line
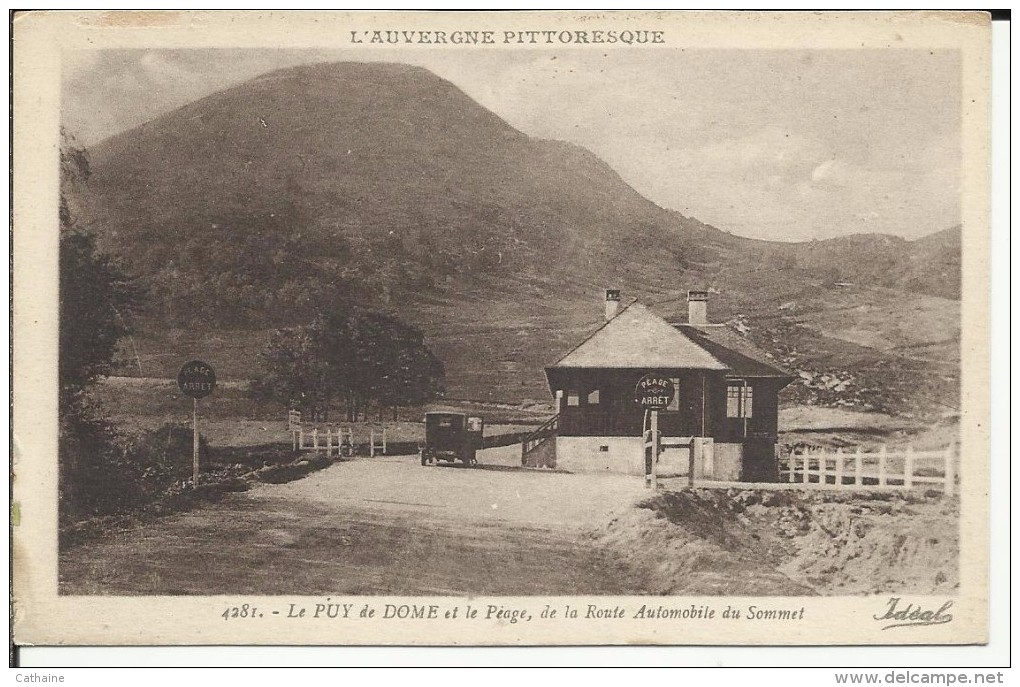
(761, 542)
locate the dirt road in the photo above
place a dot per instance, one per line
(377, 526)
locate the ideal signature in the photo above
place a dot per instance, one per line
(913, 614)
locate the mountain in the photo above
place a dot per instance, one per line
(929, 265)
(386, 185)
(376, 176)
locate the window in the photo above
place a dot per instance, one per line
(573, 398)
(675, 403)
(739, 400)
(593, 397)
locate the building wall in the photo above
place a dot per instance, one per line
(700, 408)
(767, 410)
(760, 464)
(584, 454)
(718, 461)
(727, 462)
(616, 399)
(764, 420)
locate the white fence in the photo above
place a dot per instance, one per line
(329, 439)
(884, 469)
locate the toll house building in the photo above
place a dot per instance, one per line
(725, 410)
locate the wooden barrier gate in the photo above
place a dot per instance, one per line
(339, 439)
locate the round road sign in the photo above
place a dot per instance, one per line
(196, 379)
(654, 392)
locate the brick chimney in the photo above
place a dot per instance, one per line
(697, 307)
(612, 303)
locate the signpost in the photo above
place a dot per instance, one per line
(653, 393)
(197, 380)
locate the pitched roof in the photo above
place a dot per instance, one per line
(740, 355)
(636, 338)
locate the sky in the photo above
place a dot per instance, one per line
(786, 145)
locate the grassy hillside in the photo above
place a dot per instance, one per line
(930, 265)
(354, 181)
(385, 185)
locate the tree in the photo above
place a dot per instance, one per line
(95, 301)
(96, 298)
(296, 374)
(353, 355)
(409, 373)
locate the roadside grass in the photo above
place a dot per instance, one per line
(136, 403)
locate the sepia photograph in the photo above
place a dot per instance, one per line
(590, 324)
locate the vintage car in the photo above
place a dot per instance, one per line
(451, 437)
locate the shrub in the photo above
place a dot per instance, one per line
(97, 476)
(165, 454)
(102, 474)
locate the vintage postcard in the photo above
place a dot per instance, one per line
(537, 328)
